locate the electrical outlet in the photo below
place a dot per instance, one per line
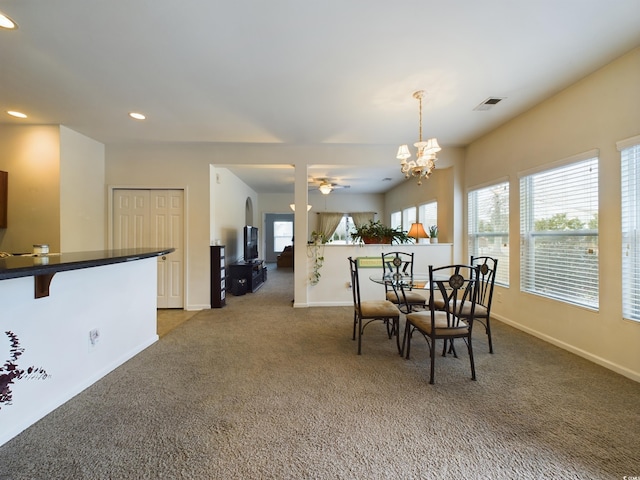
(94, 337)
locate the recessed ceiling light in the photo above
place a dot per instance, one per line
(7, 23)
(137, 116)
(13, 113)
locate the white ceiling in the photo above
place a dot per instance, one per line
(299, 72)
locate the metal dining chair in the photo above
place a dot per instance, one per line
(457, 285)
(367, 311)
(401, 263)
(487, 276)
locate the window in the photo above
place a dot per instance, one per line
(630, 176)
(282, 235)
(488, 226)
(396, 219)
(342, 235)
(559, 232)
(408, 217)
(428, 214)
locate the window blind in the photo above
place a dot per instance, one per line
(408, 217)
(396, 220)
(630, 176)
(488, 226)
(428, 214)
(559, 233)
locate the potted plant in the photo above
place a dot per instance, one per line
(376, 232)
(315, 251)
(433, 233)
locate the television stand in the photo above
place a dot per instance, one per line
(253, 272)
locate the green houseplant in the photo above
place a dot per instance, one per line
(376, 232)
(433, 233)
(315, 251)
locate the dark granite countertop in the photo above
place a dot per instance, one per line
(17, 266)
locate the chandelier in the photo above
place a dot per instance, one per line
(425, 162)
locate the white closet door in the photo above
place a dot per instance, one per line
(154, 219)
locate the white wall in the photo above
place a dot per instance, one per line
(82, 193)
(228, 199)
(31, 155)
(594, 113)
(119, 300)
(56, 189)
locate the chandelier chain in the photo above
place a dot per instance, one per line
(420, 131)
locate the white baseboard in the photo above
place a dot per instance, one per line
(330, 304)
(570, 348)
(197, 307)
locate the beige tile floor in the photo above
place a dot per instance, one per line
(170, 318)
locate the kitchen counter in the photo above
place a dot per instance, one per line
(100, 313)
(44, 267)
(17, 266)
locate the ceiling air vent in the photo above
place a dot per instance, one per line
(489, 103)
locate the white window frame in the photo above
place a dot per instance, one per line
(281, 241)
(487, 230)
(344, 228)
(630, 203)
(428, 214)
(562, 265)
(409, 216)
(396, 219)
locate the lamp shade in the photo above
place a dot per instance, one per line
(417, 231)
(403, 152)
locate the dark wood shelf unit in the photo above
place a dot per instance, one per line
(254, 273)
(218, 276)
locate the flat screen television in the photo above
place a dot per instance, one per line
(250, 243)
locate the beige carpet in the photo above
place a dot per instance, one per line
(170, 318)
(261, 390)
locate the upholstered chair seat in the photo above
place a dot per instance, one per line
(422, 320)
(411, 297)
(378, 308)
(480, 311)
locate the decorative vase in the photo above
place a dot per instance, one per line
(433, 240)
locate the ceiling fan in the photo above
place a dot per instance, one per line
(325, 186)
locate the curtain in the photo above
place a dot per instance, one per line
(362, 218)
(328, 222)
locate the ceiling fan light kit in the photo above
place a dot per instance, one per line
(325, 188)
(425, 163)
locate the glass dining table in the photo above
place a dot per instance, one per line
(405, 282)
(401, 283)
